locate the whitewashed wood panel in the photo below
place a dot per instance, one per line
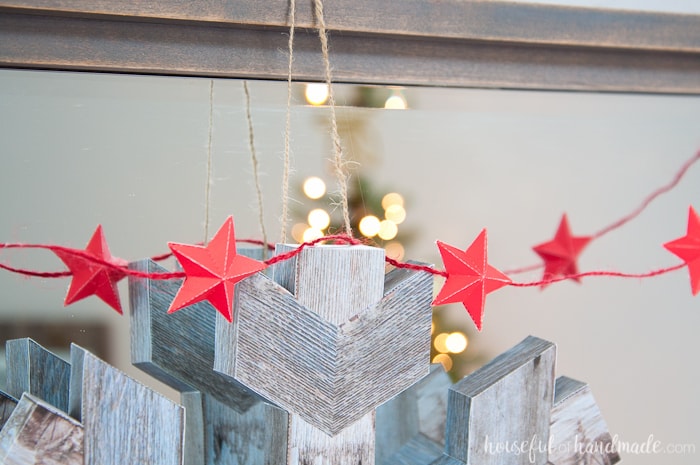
(329, 374)
(578, 431)
(353, 445)
(508, 401)
(38, 433)
(125, 421)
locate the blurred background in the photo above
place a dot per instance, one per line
(130, 153)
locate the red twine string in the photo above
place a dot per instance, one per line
(165, 256)
(645, 203)
(613, 274)
(348, 240)
(337, 239)
(37, 274)
(625, 219)
(413, 266)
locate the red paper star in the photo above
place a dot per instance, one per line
(687, 248)
(469, 278)
(212, 271)
(92, 278)
(560, 254)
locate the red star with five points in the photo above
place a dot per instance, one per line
(212, 271)
(90, 278)
(469, 277)
(687, 248)
(561, 253)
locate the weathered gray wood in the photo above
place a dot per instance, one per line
(33, 369)
(411, 426)
(432, 392)
(225, 424)
(331, 375)
(335, 284)
(447, 43)
(125, 422)
(39, 433)
(219, 435)
(507, 402)
(7, 405)
(449, 19)
(353, 445)
(178, 349)
(578, 431)
(419, 450)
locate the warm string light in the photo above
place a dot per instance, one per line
(370, 226)
(316, 94)
(448, 345)
(396, 101)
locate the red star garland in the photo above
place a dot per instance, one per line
(561, 253)
(212, 271)
(687, 248)
(469, 277)
(90, 278)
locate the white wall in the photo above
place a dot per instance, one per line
(130, 153)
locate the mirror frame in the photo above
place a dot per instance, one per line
(453, 43)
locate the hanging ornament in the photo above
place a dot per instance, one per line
(91, 278)
(687, 248)
(469, 277)
(561, 253)
(212, 271)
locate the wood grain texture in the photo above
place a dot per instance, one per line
(226, 422)
(39, 433)
(419, 450)
(578, 431)
(178, 349)
(331, 375)
(125, 422)
(411, 426)
(33, 369)
(226, 437)
(447, 19)
(7, 405)
(507, 401)
(308, 445)
(447, 43)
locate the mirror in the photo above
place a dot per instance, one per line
(130, 153)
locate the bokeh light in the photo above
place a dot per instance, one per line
(392, 198)
(440, 342)
(316, 93)
(395, 213)
(369, 226)
(298, 231)
(456, 342)
(314, 187)
(445, 359)
(319, 219)
(396, 102)
(387, 230)
(394, 250)
(311, 234)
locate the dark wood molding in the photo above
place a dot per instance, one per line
(460, 43)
